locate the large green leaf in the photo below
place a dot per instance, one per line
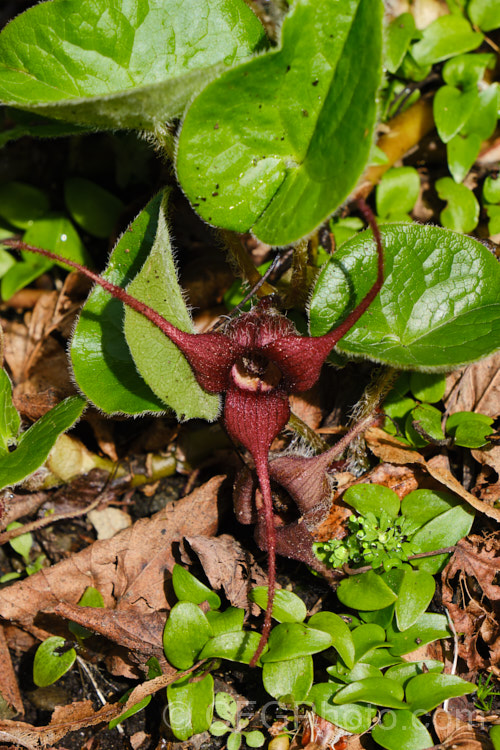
(36, 443)
(190, 705)
(186, 632)
(277, 143)
(426, 691)
(158, 360)
(439, 305)
(293, 677)
(102, 363)
(352, 717)
(401, 730)
(112, 64)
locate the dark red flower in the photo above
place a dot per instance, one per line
(257, 362)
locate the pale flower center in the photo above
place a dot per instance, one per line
(255, 373)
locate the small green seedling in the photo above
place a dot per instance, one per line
(227, 708)
(485, 693)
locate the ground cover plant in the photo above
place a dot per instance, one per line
(261, 128)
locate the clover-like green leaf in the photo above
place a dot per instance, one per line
(35, 444)
(186, 631)
(401, 730)
(292, 677)
(428, 628)
(452, 109)
(52, 661)
(287, 606)
(190, 705)
(189, 589)
(351, 716)
(426, 691)
(61, 59)
(276, 144)
(366, 591)
(447, 316)
(292, 639)
(342, 640)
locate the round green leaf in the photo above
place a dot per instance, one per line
(254, 739)
(22, 204)
(443, 531)
(92, 207)
(290, 640)
(468, 429)
(61, 58)
(445, 37)
(366, 591)
(403, 673)
(218, 729)
(234, 741)
(342, 640)
(226, 707)
(452, 108)
(447, 316)
(428, 386)
(189, 589)
(397, 191)
(291, 677)
(380, 691)
(186, 631)
(484, 13)
(491, 189)
(423, 505)
(414, 595)
(287, 606)
(351, 716)
(423, 424)
(466, 71)
(373, 498)
(190, 705)
(52, 661)
(462, 211)
(401, 730)
(428, 628)
(276, 144)
(426, 691)
(366, 638)
(235, 646)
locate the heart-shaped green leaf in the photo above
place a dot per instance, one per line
(426, 691)
(445, 37)
(35, 444)
(403, 673)
(52, 661)
(401, 730)
(438, 307)
(341, 635)
(293, 677)
(186, 632)
(229, 621)
(351, 716)
(468, 429)
(366, 638)
(452, 109)
(462, 211)
(462, 152)
(276, 144)
(414, 595)
(287, 606)
(423, 505)
(190, 705)
(62, 58)
(484, 13)
(292, 639)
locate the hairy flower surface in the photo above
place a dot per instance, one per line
(257, 362)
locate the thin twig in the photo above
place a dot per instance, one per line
(455, 652)
(443, 551)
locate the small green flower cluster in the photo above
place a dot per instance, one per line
(379, 541)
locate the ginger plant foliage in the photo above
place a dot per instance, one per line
(256, 363)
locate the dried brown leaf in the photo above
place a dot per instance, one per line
(475, 388)
(9, 688)
(455, 733)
